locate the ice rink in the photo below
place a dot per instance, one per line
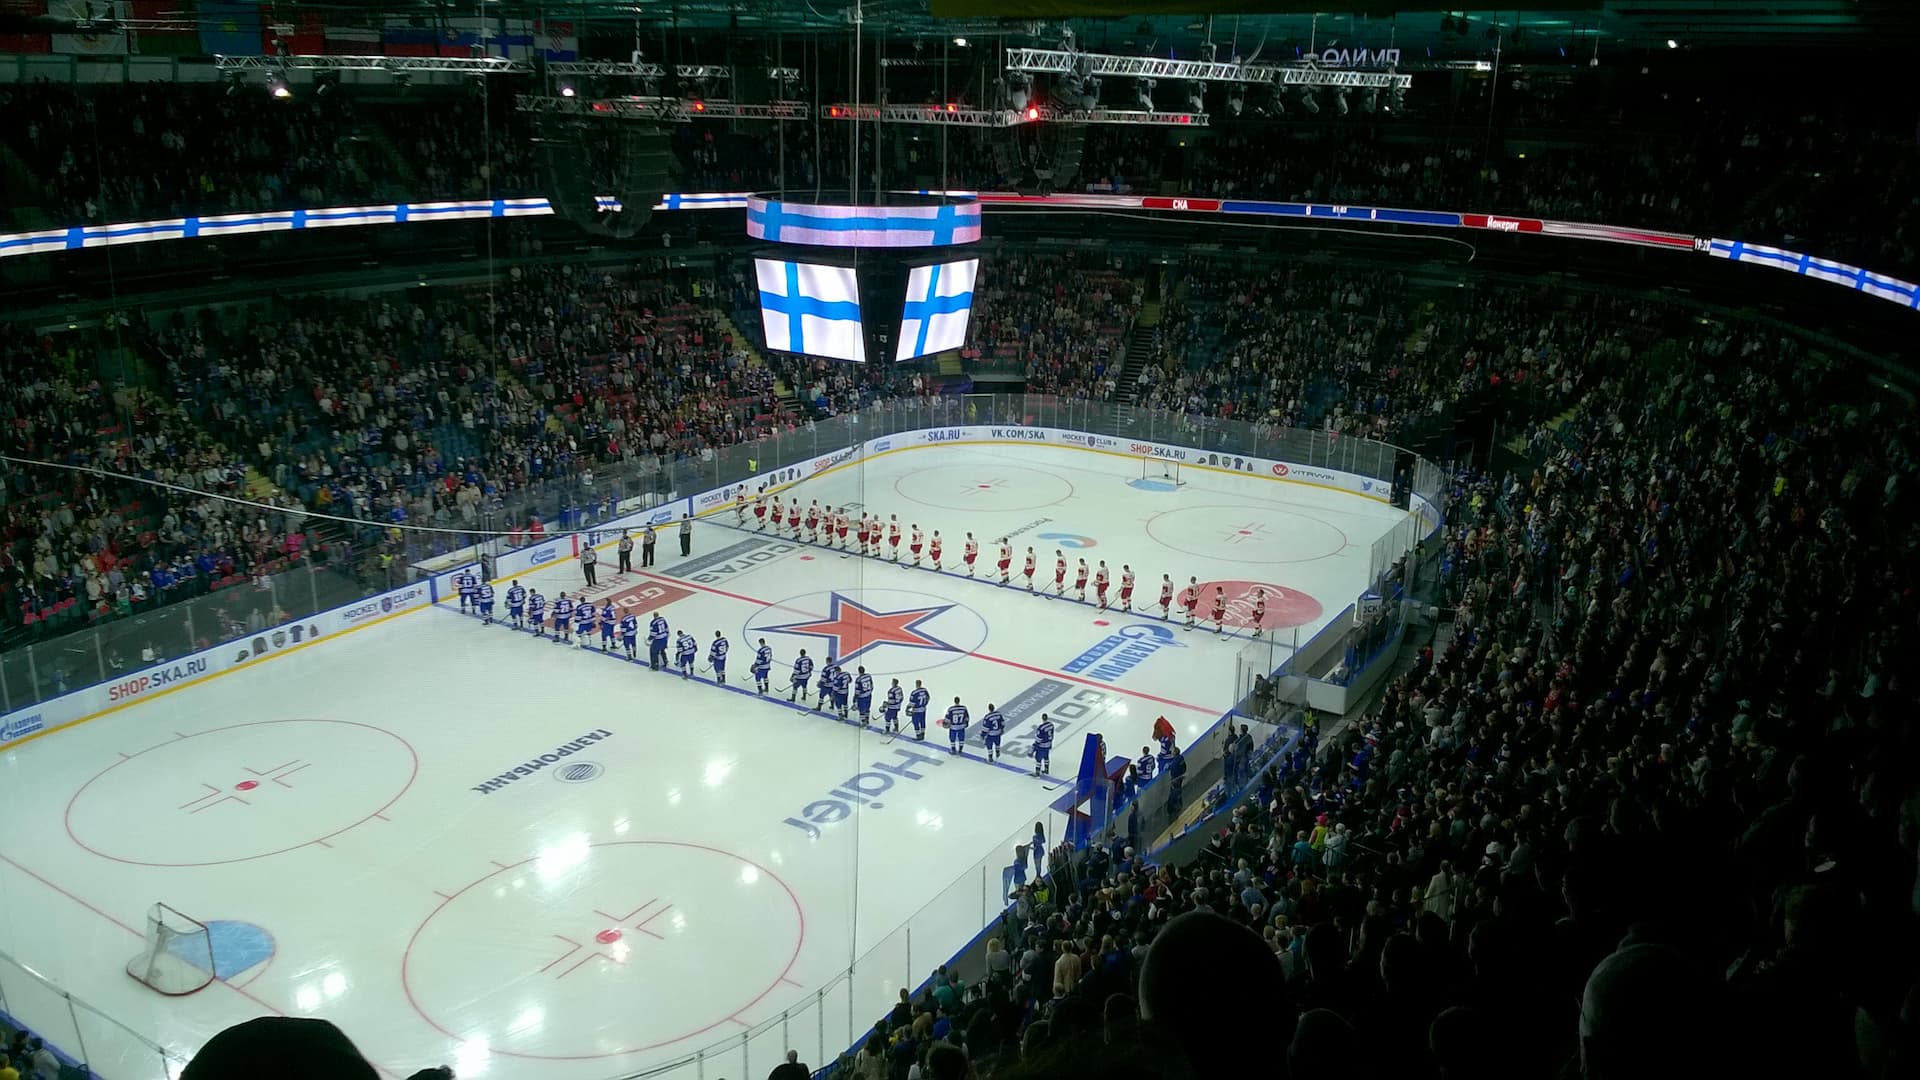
(699, 861)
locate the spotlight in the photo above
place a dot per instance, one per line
(1309, 102)
(235, 80)
(1033, 112)
(278, 88)
(1340, 101)
(567, 90)
(1397, 99)
(403, 79)
(1090, 94)
(1672, 44)
(1143, 92)
(1371, 102)
(960, 41)
(325, 82)
(1236, 99)
(1196, 96)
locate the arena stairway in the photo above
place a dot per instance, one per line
(1138, 347)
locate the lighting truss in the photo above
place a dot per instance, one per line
(1001, 118)
(659, 108)
(1062, 62)
(609, 68)
(466, 65)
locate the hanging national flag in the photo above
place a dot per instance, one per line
(556, 40)
(409, 36)
(939, 301)
(230, 27)
(100, 32)
(811, 308)
(166, 28)
(24, 43)
(352, 39)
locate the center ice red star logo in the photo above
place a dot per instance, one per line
(851, 628)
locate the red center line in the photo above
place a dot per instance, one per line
(1049, 672)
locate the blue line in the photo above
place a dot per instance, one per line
(400, 213)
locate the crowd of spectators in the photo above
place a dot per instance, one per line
(80, 546)
(1361, 352)
(1056, 319)
(1648, 810)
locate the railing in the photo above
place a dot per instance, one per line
(840, 1011)
(80, 1031)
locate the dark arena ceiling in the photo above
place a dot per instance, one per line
(1274, 28)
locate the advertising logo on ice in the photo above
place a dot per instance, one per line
(1122, 651)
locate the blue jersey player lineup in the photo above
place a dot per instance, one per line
(830, 685)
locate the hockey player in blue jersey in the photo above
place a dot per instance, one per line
(992, 726)
(824, 700)
(684, 651)
(657, 642)
(609, 625)
(957, 720)
(485, 597)
(842, 688)
(717, 657)
(630, 634)
(563, 619)
(802, 671)
(1143, 766)
(536, 613)
(583, 616)
(762, 666)
(917, 709)
(863, 697)
(516, 603)
(1043, 746)
(469, 587)
(890, 710)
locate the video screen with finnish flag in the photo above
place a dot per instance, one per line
(939, 302)
(811, 308)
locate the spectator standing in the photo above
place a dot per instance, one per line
(626, 552)
(790, 1069)
(587, 560)
(647, 538)
(686, 534)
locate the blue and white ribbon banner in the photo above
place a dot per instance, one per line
(822, 225)
(939, 302)
(810, 308)
(929, 226)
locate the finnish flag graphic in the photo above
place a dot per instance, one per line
(939, 302)
(811, 308)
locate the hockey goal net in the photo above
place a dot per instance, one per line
(178, 956)
(1163, 470)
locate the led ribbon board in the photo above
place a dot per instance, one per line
(825, 225)
(811, 308)
(939, 302)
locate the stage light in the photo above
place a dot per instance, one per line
(1236, 99)
(567, 90)
(699, 106)
(279, 89)
(960, 41)
(1340, 101)
(1033, 112)
(1309, 102)
(1672, 44)
(1371, 102)
(1196, 96)
(952, 108)
(1090, 95)
(1143, 91)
